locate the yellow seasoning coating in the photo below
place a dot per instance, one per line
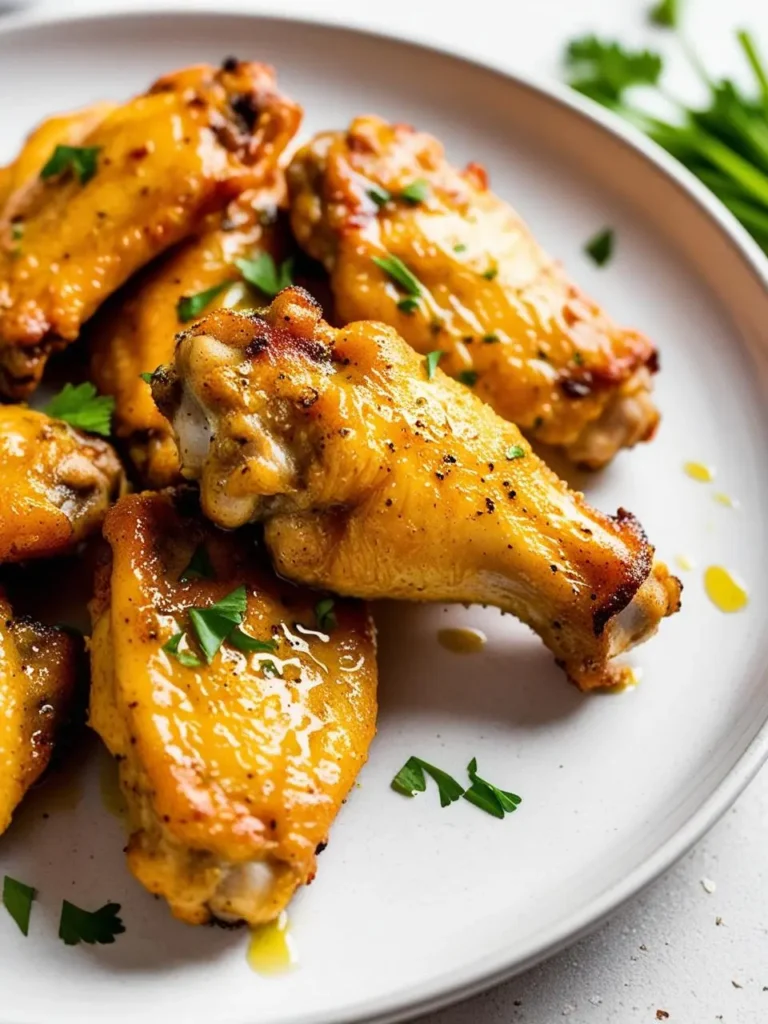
(699, 471)
(462, 641)
(685, 563)
(723, 590)
(725, 499)
(271, 950)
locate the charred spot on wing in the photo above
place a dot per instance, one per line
(636, 573)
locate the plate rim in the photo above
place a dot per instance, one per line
(409, 1004)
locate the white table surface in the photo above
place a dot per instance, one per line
(699, 955)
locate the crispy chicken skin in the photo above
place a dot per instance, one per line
(165, 159)
(233, 776)
(61, 130)
(38, 675)
(56, 484)
(507, 318)
(378, 482)
(135, 331)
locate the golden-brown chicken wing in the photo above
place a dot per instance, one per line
(147, 174)
(38, 672)
(61, 130)
(135, 332)
(511, 324)
(56, 484)
(233, 770)
(381, 478)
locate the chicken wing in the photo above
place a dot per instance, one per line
(56, 484)
(142, 181)
(38, 674)
(233, 770)
(135, 331)
(510, 323)
(378, 477)
(61, 130)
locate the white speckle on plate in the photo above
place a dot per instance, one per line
(708, 885)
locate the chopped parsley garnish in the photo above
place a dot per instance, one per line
(147, 376)
(199, 567)
(17, 230)
(411, 780)
(430, 362)
(488, 797)
(249, 644)
(468, 377)
(578, 358)
(600, 248)
(81, 406)
(665, 13)
(81, 160)
(416, 192)
(92, 926)
(213, 625)
(723, 141)
(515, 451)
(18, 899)
(325, 615)
(263, 273)
(270, 670)
(490, 339)
(459, 247)
(181, 654)
(399, 273)
(191, 306)
(408, 304)
(379, 195)
(491, 273)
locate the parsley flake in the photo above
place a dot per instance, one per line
(147, 376)
(263, 273)
(515, 451)
(81, 406)
(190, 306)
(17, 899)
(460, 247)
(182, 655)
(487, 797)
(665, 14)
(416, 192)
(248, 644)
(600, 247)
(408, 304)
(17, 230)
(430, 362)
(213, 625)
(92, 926)
(81, 160)
(491, 273)
(379, 195)
(399, 273)
(199, 567)
(325, 615)
(468, 377)
(411, 780)
(578, 359)
(270, 670)
(490, 339)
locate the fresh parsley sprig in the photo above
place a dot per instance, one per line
(190, 306)
(81, 160)
(724, 142)
(81, 406)
(263, 273)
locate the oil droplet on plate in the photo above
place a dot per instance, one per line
(699, 471)
(723, 590)
(462, 641)
(685, 563)
(270, 950)
(725, 499)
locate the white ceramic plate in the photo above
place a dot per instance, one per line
(414, 905)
